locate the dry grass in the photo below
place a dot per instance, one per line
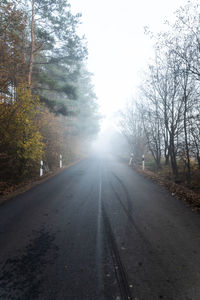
(164, 178)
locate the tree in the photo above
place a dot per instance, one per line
(85, 109)
(21, 147)
(185, 37)
(132, 129)
(152, 124)
(166, 83)
(42, 57)
(56, 53)
(53, 52)
(12, 48)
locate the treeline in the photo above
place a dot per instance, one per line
(165, 119)
(47, 102)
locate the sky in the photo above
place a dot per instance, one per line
(118, 48)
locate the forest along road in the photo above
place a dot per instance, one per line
(98, 230)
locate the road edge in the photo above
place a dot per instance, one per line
(27, 186)
(178, 191)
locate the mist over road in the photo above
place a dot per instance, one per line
(99, 230)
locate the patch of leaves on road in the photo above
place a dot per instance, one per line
(177, 190)
(21, 276)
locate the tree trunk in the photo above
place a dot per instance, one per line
(173, 157)
(32, 45)
(166, 155)
(187, 152)
(166, 141)
(198, 159)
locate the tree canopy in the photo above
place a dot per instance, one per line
(47, 99)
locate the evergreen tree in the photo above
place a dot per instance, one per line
(58, 52)
(12, 48)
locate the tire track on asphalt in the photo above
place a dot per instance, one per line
(155, 255)
(128, 214)
(120, 272)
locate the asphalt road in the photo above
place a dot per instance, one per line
(98, 230)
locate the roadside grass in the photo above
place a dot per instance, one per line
(166, 172)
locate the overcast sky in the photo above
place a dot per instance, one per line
(118, 47)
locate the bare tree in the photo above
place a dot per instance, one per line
(152, 122)
(132, 129)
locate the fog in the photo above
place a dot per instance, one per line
(110, 142)
(118, 47)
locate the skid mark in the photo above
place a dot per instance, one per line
(120, 272)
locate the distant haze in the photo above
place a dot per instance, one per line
(118, 47)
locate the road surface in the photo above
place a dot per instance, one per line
(99, 230)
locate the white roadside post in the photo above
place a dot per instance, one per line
(131, 159)
(41, 168)
(60, 161)
(143, 164)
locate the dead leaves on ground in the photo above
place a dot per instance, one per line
(177, 190)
